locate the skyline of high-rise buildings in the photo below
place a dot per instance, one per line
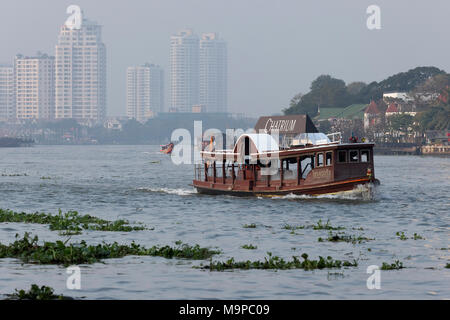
(72, 83)
(145, 91)
(80, 80)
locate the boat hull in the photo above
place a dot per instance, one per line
(313, 190)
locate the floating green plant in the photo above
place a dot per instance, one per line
(418, 237)
(36, 293)
(402, 236)
(291, 227)
(447, 265)
(326, 226)
(397, 265)
(29, 250)
(249, 247)
(318, 226)
(344, 238)
(249, 226)
(71, 221)
(14, 175)
(335, 275)
(277, 263)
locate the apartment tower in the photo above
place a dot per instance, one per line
(7, 93)
(213, 73)
(145, 92)
(184, 71)
(34, 87)
(81, 73)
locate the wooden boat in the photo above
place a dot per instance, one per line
(302, 161)
(167, 149)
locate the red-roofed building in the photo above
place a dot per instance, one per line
(392, 110)
(372, 115)
(372, 108)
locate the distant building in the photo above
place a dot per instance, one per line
(81, 73)
(391, 110)
(184, 71)
(372, 116)
(397, 95)
(213, 73)
(35, 87)
(7, 93)
(145, 92)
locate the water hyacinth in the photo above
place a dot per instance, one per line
(344, 238)
(29, 250)
(36, 293)
(397, 265)
(71, 222)
(277, 263)
(249, 247)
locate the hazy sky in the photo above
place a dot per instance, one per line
(276, 48)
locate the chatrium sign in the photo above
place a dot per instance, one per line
(280, 125)
(293, 124)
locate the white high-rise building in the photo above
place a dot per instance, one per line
(81, 73)
(184, 71)
(213, 73)
(145, 92)
(35, 87)
(7, 93)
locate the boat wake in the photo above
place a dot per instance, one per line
(179, 192)
(360, 192)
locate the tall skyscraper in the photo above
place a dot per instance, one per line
(213, 73)
(34, 86)
(81, 73)
(7, 93)
(145, 91)
(184, 71)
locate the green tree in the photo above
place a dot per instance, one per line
(326, 91)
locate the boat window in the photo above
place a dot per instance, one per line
(307, 164)
(329, 158)
(342, 156)
(354, 156)
(320, 159)
(365, 156)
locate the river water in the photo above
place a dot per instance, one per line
(139, 184)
